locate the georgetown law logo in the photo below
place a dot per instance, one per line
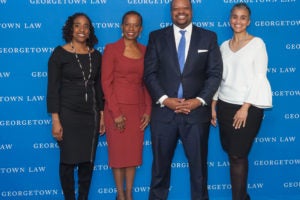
(259, 1)
(202, 24)
(99, 167)
(48, 145)
(286, 93)
(282, 70)
(4, 75)
(157, 2)
(112, 190)
(165, 24)
(294, 184)
(39, 74)
(66, 2)
(22, 170)
(106, 25)
(179, 165)
(218, 164)
(32, 98)
(279, 162)
(292, 46)
(107, 190)
(277, 139)
(292, 116)
(277, 23)
(26, 50)
(141, 189)
(224, 186)
(102, 143)
(25, 122)
(6, 147)
(33, 194)
(147, 143)
(8, 99)
(267, 23)
(226, 24)
(19, 25)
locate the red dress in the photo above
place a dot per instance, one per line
(125, 94)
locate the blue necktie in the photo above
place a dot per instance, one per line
(181, 59)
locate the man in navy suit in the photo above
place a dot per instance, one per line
(183, 116)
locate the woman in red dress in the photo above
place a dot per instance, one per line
(127, 103)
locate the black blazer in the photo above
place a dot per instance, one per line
(200, 78)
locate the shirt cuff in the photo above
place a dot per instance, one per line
(202, 101)
(161, 100)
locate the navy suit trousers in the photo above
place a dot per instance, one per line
(164, 138)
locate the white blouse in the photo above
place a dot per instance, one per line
(245, 75)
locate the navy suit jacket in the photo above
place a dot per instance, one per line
(200, 78)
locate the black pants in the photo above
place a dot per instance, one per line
(66, 173)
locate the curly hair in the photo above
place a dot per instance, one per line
(68, 30)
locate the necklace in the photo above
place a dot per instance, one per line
(85, 79)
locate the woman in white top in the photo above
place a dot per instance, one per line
(243, 95)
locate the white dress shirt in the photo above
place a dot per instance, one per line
(188, 33)
(177, 36)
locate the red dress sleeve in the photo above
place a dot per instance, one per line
(107, 78)
(148, 99)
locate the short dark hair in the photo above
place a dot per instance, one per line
(68, 30)
(132, 12)
(171, 4)
(241, 5)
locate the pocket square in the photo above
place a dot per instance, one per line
(202, 50)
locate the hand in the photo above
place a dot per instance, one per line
(102, 126)
(213, 120)
(120, 122)
(187, 106)
(172, 103)
(57, 130)
(144, 121)
(240, 117)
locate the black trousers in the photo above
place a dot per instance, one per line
(66, 173)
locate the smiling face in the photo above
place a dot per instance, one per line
(181, 12)
(81, 29)
(239, 19)
(131, 27)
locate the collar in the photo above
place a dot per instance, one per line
(188, 28)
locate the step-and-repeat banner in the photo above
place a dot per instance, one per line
(31, 29)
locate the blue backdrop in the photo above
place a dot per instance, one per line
(31, 29)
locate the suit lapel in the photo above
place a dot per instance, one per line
(170, 38)
(192, 48)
